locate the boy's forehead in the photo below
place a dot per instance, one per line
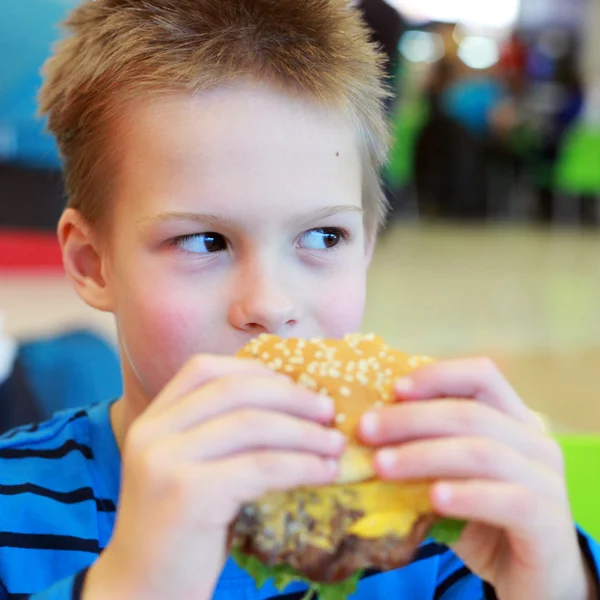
(227, 113)
(240, 138)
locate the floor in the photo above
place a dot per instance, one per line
(528, 298)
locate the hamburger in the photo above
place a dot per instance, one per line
(327, 536)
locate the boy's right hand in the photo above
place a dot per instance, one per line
(223, 432)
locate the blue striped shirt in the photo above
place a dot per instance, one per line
(59, 484)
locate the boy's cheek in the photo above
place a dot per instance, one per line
(341, 306)
(161, 334)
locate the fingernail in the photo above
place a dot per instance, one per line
(326, 406)
(337, 440)
(443, 494)
(404, 386)
(369, 424)
(386, 459)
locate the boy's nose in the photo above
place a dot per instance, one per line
(263, 307)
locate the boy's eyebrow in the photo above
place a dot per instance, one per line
(330, 211)
(212, 218)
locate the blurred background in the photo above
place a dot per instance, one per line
(494, 182)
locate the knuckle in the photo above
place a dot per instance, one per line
(135, 440)
(468, 417)
(525, 504)
(488, 367)
(266, 462)
(198, 363)
(553, 453)
(151, 465)
(178, 484)
(481, 455)
(250, 419)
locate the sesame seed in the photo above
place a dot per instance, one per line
(344, 391)
(414, 362)
(324, 391)
(266, 356)
(340, 418)
(349, 378)
(307, 381)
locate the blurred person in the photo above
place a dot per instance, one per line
(387, 26)
(43, 375)
(17, 403)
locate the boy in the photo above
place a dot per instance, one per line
(221, 160)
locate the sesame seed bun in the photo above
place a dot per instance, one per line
(358, 373)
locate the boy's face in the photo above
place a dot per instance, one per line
(237, 212)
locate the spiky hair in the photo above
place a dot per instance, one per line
(118, 50)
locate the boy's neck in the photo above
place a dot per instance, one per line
(129, 407)
(122, 416)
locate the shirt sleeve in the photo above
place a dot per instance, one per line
(66, 589)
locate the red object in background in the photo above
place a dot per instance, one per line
(29, 250)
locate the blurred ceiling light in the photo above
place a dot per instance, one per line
(479, 52)
(474, 12)
(422, 47)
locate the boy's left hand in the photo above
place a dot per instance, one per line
(495, 467)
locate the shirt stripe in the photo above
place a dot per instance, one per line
(41, 541)
(73, 497)
(453, 579)
(49, 453)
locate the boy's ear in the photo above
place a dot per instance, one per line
(370, 241)
(83, 260)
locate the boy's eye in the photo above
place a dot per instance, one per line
(322, 239)
(201, 243)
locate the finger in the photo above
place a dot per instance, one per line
(251, 430)
(468, 458)
(232, 393)
(502, 504)
(476, 378)
(202, 369)
(247, 477)
(411, 421)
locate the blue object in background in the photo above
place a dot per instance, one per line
(28, 29)
(470, 102)
(74, 369)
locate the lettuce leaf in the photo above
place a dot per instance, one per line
(283, 575)
(447, 531)
(444, 531)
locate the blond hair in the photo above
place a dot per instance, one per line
(119, 50)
